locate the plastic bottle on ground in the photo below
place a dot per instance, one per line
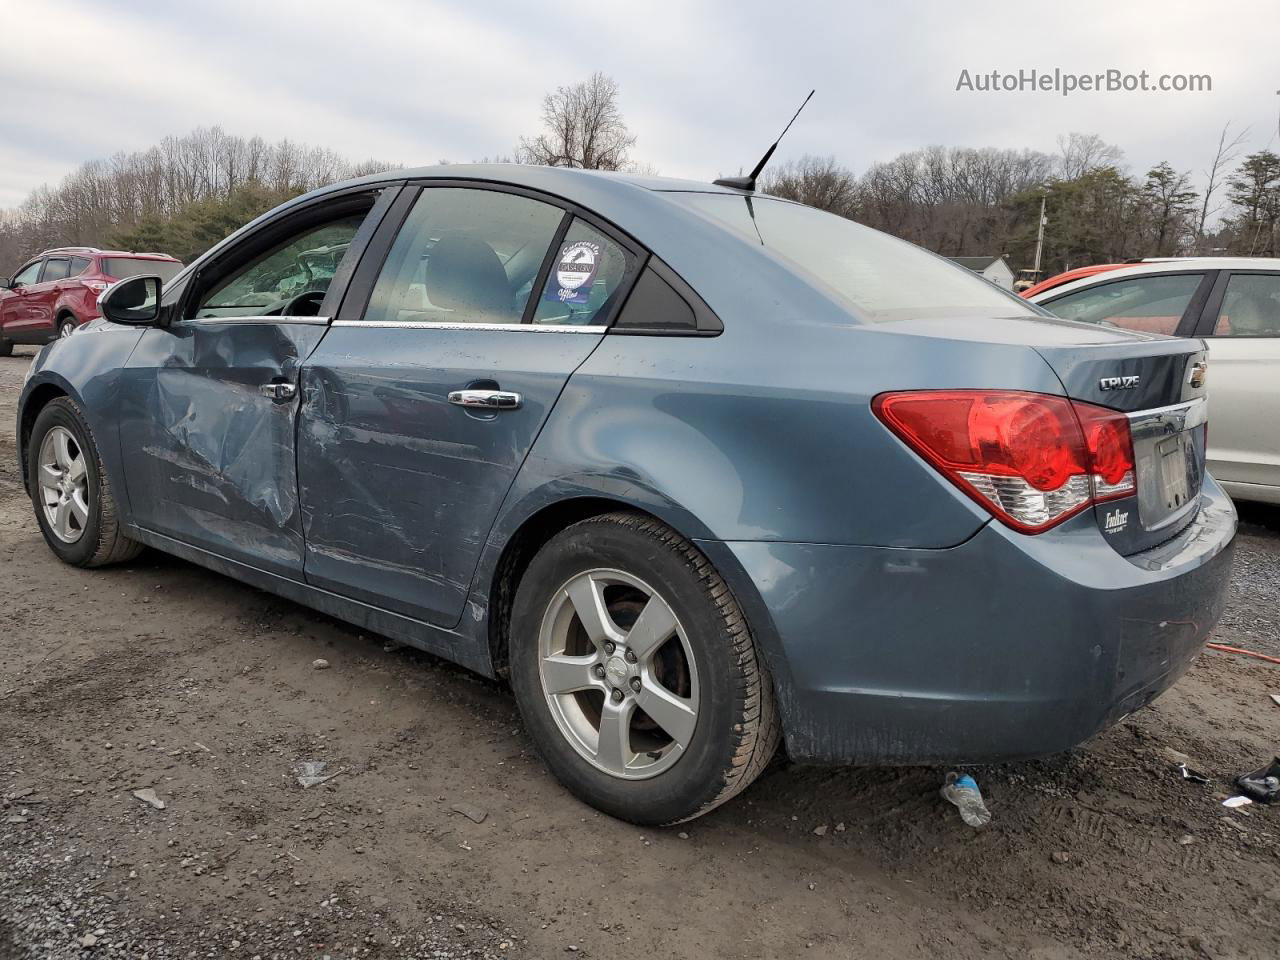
(962, 790)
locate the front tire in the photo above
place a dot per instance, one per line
(70, 491)
(6, 348)
(636, 674)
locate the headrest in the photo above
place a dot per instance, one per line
(464, 275)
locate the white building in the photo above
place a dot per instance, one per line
(995, 269)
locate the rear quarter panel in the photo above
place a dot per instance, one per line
(760, 435)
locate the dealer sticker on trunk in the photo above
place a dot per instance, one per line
(1116, 520)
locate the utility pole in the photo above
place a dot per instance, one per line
(1040, 237)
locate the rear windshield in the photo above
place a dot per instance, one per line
(883, 277)
(123, 267)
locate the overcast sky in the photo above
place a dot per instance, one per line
(705, 85)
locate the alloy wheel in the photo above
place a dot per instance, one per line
(618, 674)
(64, 484)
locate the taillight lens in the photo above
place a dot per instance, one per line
(96, 285)
(1032, 459)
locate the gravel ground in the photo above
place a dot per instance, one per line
(162, 676)
(1254, 615)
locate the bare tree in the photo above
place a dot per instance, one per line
(1081, 153)
(817, 181)
(583, 128)
(179, 180)
(1228, 150)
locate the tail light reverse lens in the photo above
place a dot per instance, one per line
(1031, 459)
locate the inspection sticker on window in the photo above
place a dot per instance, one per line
(576, 268)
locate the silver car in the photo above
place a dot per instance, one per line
(1234, 304)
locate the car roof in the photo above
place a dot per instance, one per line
(1067, 276)
(550, 179)
(638, 205)
(89, 252)
(131, 255)
(1170, 265)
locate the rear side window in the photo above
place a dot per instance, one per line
(884, 278)
(78, 266)
(1250, 307)
(585, 274)
(1153, 303)
(55, 269)
(655, 305)
(122, 268)
(464, 256)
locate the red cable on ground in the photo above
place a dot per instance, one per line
(1248, 653)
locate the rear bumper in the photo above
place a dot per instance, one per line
(1004, 647)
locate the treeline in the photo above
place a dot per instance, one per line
(188, 192)
(178, 197)
(964, 202)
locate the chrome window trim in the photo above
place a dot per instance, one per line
(316, 321)
(434, 325)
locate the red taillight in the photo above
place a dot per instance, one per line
(1031, 459)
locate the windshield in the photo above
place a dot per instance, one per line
(124, 267)
(883, 277)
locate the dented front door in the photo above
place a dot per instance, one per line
(208, 439)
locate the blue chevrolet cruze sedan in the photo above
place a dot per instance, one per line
(697, 470)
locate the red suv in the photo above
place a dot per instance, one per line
(58, 290)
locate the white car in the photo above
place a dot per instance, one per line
(1234, 305)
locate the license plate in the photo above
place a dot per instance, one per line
(1175, 459)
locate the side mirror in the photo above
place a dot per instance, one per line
(5, 284)
(135, 301)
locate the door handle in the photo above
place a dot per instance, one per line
(279, 392)
(486, 399)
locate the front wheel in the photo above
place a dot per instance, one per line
(69, 488)
(6, 348)
(636, 674)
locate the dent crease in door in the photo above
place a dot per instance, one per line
(213, 458)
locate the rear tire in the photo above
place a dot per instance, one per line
(66, 327)
(693, 715)
(70, 492)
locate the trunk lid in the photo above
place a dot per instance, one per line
(1154, 380)
(1160, 385)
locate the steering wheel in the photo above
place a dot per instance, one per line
(303, 305)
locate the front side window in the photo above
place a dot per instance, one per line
(273, 281)
(28, 274)
(884, 278)
(55, 269)
(121, 268)
(1250, 307)
(1153, 303)
(464, 256)
(586, 272)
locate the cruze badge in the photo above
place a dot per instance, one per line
(1199, 371)
(1119, 383)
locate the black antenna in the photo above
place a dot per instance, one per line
(749, 182)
